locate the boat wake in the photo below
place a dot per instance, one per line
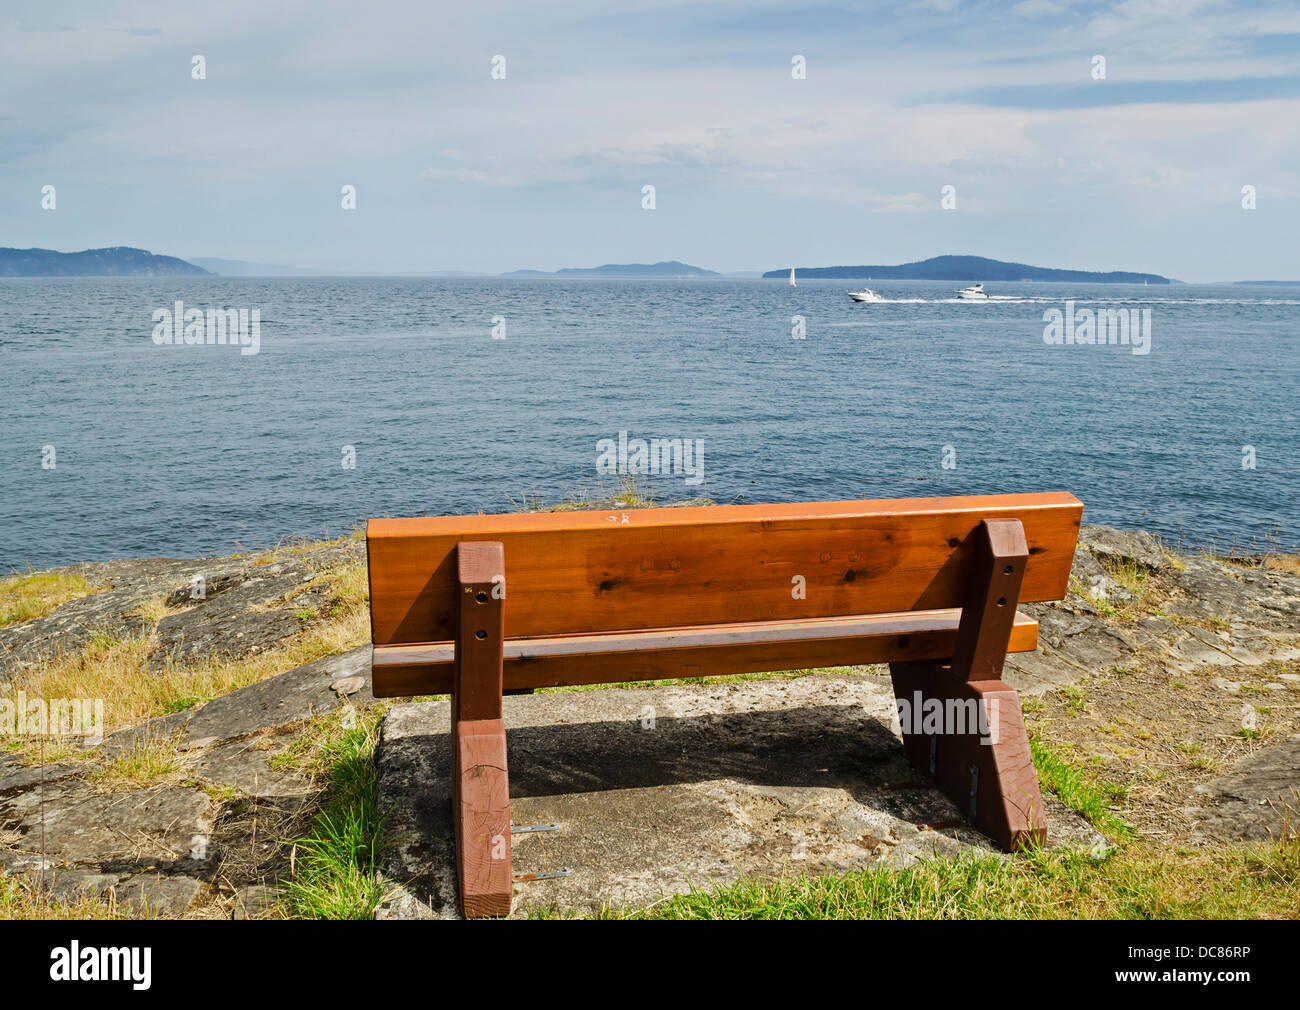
(1042, 300)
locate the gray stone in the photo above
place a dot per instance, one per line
(247, 768)
(297, 694)
(15, 776)
(256, 901)
(1094, 582)
(158, 894)
(85, 826)
(247, 607)
(1200, 648)
(1211, 590)
(348, 685)
(1255, 799)
(1085, 642)
(1134, 546)
(70, 883)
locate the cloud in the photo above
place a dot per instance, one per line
(1039, 8)
(695, 97)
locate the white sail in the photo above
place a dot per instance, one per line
(792, 283)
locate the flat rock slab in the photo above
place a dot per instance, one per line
(656, 791)
(299, 693)
(83, 825)
(1255, 801)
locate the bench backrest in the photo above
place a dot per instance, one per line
(583, 572)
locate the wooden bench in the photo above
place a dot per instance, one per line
(476, 606)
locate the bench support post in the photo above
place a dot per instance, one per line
(960, 722)
(480, 787)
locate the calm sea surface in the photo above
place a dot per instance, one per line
(188, 450)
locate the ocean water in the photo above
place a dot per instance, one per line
(187, 450)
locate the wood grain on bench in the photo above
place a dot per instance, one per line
(586, 572)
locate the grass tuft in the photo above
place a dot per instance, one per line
(1092, 802)
(337, 864)
(29, 596)
(151, 757)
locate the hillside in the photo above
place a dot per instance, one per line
(972, 268)
(115, 261)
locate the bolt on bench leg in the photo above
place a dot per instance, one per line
(480, 785)
(960, 722)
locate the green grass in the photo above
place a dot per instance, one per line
(1126, 573)
(1071, 787)
(183, 703)
(25, 597)
(337, 864)
(1238, 882)
(1076, 699)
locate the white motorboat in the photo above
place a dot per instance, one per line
(974, 292)
(865, 295)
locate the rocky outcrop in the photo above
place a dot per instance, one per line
(1256, 801)
(243, 604)
(1187, 612)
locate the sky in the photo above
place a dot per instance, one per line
(753, 167)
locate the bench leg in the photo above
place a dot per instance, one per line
(480, 786)
(960, 722)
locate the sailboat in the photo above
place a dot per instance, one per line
(792, 283)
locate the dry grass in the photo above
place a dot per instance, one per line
(116, 668)
(151, 758)
(1289, 563)
(1126, 573)
(628, 493)
(292, 548)
(20, 898)
(29, 596)
(1148, 738)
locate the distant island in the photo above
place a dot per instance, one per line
(971, 268)
(126, 261)
(672, 268)
(116, 261)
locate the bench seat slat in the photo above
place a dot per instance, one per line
(710, 650)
